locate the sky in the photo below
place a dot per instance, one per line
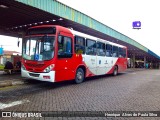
(119, 15)
(10, 43)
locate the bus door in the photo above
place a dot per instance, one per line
(101, 58)
(64, 62)
(90, 57)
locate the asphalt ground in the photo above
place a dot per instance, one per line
(133, 90)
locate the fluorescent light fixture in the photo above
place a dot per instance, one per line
(60, 19)
(71, 28)
(3, 6)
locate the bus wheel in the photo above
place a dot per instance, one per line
(115, 72)
(79, 76)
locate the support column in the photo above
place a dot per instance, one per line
(144, 61)
(134, 60)
(151, 65)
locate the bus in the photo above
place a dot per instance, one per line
(54, 53)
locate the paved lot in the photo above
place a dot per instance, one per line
(5, 76)
(129, 91)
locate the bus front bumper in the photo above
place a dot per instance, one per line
(50, 77)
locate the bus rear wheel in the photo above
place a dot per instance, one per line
(115, 72)
(79, 78)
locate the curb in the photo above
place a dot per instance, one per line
(11, 83)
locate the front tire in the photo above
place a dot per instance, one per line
(115, 72)
(79, 78)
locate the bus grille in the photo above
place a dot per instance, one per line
(34, 75)
(34, 65)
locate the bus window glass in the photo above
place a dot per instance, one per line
(115, 51)
(27, 47)
(33, 48)
(79, 45)
(47, 49)
(90, 47)
(122, 52)
(108, 50)
(64, 47)
(100, 49)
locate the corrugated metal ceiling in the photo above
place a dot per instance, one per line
(17, 17)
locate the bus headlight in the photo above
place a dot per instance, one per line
(49, 68)
(23, 67)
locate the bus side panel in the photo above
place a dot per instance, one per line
(66, 68)
(90, 62)
(90, 65)
(121, 63)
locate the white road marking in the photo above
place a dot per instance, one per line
(4, 105)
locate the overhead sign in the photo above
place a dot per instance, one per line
(136, 25)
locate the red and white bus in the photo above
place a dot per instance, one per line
(54, 53)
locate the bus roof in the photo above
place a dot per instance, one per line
(94, 38)
(81, 34)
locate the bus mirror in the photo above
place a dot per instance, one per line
(18, 42)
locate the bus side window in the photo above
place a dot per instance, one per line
(108, 50)
(90, 47)
(122, 52)
(64, 47)
(115, 51)
(100, 49)
(79, 45)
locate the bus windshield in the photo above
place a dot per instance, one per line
(38, 48)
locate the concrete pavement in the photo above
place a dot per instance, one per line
(16, 79)
(11, 79)
(130, 91)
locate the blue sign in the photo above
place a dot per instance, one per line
(136, 25)
(1, 51)
(36, 57)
